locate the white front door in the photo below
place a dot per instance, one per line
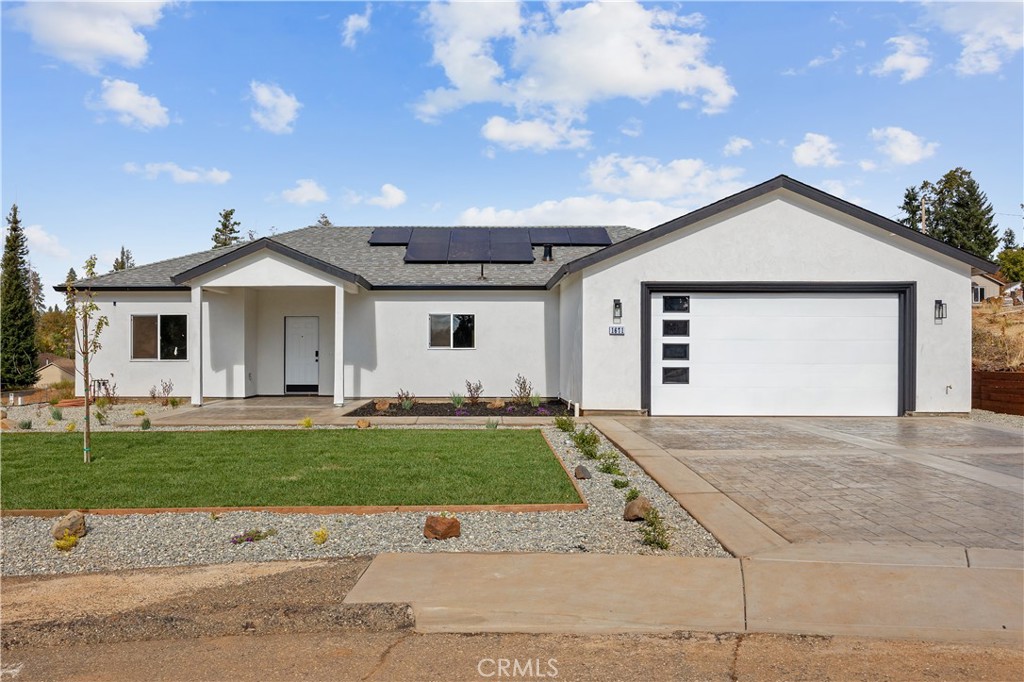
(301, 354)
(774, 354)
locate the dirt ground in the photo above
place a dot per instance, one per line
(286, 621)
(998, 337)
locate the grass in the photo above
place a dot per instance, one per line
(281, 468)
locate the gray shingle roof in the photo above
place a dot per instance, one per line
(380, 266)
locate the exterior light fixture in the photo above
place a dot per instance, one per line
(617, 310)
(940, 310)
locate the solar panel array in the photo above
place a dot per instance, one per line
(483, 245)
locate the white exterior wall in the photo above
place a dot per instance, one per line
(134, 378)
(387, 336)
(781, 237)
(570, 326)
(273, 305)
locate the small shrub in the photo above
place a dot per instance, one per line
(474, 391)
(542, 412)
(57, 414)
(586, 441)
(566, 423)
(608, 466)
(109, 389)
(70, 427)
(461, 412)
(320, 536)
(50, 422)
(522, 390)
(146, 424)
(535, 400)
(66, 543)
(101, 417)
(139, 413)
(253, 535)
(54, 400)
(173, 402)
(458, 399)
(25, 424)
(632, 494)
(102, 402)
(408, 404)
(306, 422)
(163, 393)
(491, 424)
(654, 530)
(620, 483)
(403, 396)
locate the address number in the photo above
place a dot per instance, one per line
(617, 330)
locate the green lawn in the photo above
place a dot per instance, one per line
(281, 468)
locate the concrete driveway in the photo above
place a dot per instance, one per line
(920, 482)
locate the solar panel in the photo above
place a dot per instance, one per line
(428, 245)
(390, 236)
(589, 236)
(556, 236)
(470, 245)
(510, 245)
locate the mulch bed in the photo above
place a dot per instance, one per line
(546, 409)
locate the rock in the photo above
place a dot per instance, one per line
(381, 405)
(442, 527)
(363, 424)
(636, 509)
(73, 523)
(496, 404)
(3, 413)
(4, 425)
(582, 472)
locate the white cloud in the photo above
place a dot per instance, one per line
(736, 145)
(43, 242)
(534, 134)
(132, 107)
(275, 109)
(683, 181)
(910, 58)
(834, 187)
(389, 197)
(633, 127)
(179, 175)
(353, 26)
(989, 33)
(305, 191)
(89, 34)
(867, 165)
(836, 54)
(553, 62)
(587, 210)
(816, 150)
(902, 146)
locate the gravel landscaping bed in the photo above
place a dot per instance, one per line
(117, 417)
(1014, 420)
(170, 539)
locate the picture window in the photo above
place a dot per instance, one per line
(452, 330)
(159, 337)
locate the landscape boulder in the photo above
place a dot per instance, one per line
(363, 424)
(582, 472)
(73, 523)
(636, 509)
(381, 405)
(442, 527)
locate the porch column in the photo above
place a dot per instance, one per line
(195, 345)
(339, 346)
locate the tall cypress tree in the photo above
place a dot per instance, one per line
(17, 318)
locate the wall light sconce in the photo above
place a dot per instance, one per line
(940, 310)
(617, 310)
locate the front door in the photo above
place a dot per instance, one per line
(301, 354)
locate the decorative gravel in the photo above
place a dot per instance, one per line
(169, 539)
(117, 417)
(1013, 420)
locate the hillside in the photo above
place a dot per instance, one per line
(998, 338)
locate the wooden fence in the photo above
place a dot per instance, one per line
(998, 392)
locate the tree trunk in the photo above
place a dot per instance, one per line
(87, 436)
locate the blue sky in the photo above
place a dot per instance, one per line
(136, 123)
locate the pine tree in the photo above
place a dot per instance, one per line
(324, 221)
(957, 212)
(226, 233)
(36, 293)
(124, 261)
(1010, 239)
(69, 299)
(17, 318)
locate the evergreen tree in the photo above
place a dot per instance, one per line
(17, 318)
(124, 261)
(38, 297)
(1010, 240)
(956, 212)
(324, 221)
(69, 299)
(226, 233)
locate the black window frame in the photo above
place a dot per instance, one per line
(454, 329)
(165, 351)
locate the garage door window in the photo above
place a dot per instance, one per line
(675, 375)
(676, 304)
(675, 351)
(675, 327)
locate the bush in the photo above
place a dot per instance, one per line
(405, 399)
(66, 543)
(610, 466)
(306, 422)
(632, 494)
(654, 530)
(458, 399)
(57, 414)
(139, 413)
(566, 423)
(163, 393)
(25, 424)
(522, 390)
(620, 483)
(253, 535)
(491, 424)
(586, 441)
(146, 424)
(535, 400)
(474, 391)
(320, 536)
(70, 427)
(173, 402)
(101, 417)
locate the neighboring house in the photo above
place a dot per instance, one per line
(53, 369)
(1012, 293)
(826, 309)
(983, 286)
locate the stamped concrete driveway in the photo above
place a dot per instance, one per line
(888, 481)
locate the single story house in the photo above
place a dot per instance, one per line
(984, 286)
(53, 369)
(778, 300)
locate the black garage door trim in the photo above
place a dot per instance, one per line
(906, 293)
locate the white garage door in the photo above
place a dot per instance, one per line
(774, 354)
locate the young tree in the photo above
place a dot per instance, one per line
(956, 212)
(86, 342)
(226, 233)
(324, 221)
(17, 317)
(124, 261)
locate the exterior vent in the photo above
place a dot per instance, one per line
(548, 255)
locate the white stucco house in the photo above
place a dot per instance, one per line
(779, 300)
